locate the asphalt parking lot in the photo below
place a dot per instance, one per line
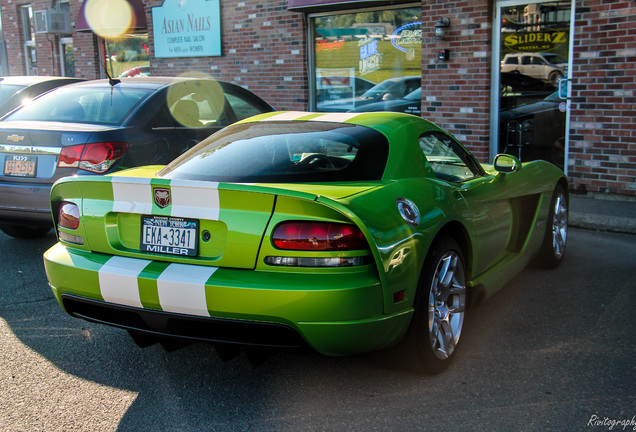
(553, 351)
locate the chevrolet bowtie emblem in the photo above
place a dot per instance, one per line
(15, 138)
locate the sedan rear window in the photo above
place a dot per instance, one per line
(108, 105)
(285, 152)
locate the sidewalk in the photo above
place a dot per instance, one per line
(603, 213)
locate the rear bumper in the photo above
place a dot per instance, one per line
(25, 204)
(335, 314)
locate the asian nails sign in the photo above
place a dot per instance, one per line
(187, 28)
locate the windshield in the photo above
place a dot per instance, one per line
(374, 91)
(285, 152)
(85, 104)
(415, 95)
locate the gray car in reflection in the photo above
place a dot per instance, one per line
(410, 104)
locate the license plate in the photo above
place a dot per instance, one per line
(20, 165)
(169, 235)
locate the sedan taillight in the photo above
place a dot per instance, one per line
(318, 236)
(94, 157)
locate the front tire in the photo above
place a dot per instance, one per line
(556, 232)
(440, 306)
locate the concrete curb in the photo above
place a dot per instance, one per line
(615, 224)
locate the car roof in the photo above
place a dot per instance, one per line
(405, 156)
(152, 82)
(28, 80)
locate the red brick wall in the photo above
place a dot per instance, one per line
(456, 93)
(47, 51)
(603, 127)
(264, 50)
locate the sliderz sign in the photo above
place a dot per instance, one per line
(535, 41)
(187, 28)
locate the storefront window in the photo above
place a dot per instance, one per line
(127, 55)
(367, 61)
(534, 59)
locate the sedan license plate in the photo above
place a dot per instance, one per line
(20, 165)
(169, 235)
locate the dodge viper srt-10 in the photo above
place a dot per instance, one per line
(342, 232)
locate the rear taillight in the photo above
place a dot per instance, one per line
(68, 216)
(94, 157)
(318, 236)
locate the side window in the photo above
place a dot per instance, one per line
(448, 159)
(242, 107)
(526, 60)
(199, 111)
(538, 60)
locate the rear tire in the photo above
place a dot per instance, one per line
(440, 307)
(24, 232)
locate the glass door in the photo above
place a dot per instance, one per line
(531, 117)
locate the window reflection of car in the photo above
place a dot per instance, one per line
(544, 66)
(390, 89)
(331, 88)
(410, 104)
(534, 131)
(14, 90)
(95, 128)
(137, 71)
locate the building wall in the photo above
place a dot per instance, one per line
(456, 93)
(603, 128)
(265, 50)
(46, 45)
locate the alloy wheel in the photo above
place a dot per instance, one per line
(447, 305)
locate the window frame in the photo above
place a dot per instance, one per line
(456, 148)
(311, 67)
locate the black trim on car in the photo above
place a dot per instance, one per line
(189, 327)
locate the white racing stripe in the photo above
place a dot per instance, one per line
(198, 200)
(290, 115)
(335, 117)
(132, 195)
(118, 280)
(181, 289)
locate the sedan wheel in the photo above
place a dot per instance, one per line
(24, 232)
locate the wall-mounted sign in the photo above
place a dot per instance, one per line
(187, 28)
(535, 41)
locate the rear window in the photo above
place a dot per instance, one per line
(285, 152)
(8, 90)
(108, 105)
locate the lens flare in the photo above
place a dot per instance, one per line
(196, 103)
(109, 18)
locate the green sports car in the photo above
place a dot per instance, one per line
(341, 232)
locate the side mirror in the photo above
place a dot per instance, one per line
(505, 163)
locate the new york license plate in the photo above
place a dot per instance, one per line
(169, 235)
(20, 165)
